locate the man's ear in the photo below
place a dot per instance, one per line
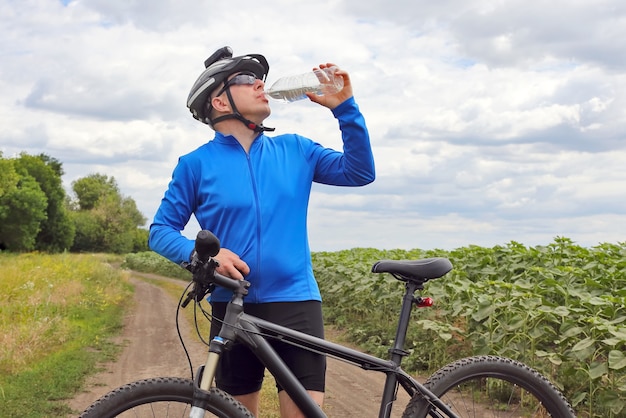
(220, 104)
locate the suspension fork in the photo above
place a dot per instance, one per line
(225, 337)
(206, 373)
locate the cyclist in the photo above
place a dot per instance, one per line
(252, 191)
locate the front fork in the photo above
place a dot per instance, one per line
(206, 373)
(215, 351)
(204, 379)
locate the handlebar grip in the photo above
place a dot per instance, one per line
(207, 245)
(228, 283)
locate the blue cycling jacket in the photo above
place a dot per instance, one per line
(256, 203)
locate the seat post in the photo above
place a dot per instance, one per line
(397, 352)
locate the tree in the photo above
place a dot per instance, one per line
(140, 240)
(89, 233)
(22, 208)
(36, 213)
(89, 190)
(56, 231)
(105, 221)
(8, 182)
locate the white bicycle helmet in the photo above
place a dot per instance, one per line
(218, 67)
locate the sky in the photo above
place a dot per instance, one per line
(491, 121)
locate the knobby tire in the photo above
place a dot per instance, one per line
(162, 397)
(491, 386)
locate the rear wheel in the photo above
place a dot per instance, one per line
(487, 386)
(162, 397)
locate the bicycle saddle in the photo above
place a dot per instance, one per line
(416, 270)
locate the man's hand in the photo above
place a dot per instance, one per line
(331, 101)
(231, 265)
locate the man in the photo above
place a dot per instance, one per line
(252, 191)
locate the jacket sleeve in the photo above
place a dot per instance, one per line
(173, 214)
(355, 165)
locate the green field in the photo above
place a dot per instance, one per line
(559, 308)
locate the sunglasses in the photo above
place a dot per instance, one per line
(239, 80)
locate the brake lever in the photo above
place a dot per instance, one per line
(202, 274)
(202, 266)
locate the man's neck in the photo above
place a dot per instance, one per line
(244, 135)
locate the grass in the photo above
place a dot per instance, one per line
(57, 313)
(57, 316)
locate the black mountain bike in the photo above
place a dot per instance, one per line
(481, 386)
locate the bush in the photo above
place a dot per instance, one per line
(151, 262)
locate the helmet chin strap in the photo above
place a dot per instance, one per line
(258, 128)
(249, 124)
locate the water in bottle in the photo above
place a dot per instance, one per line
(292, 88)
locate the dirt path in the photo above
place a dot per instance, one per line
(152, 348)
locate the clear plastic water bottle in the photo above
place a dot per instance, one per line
(292, 88)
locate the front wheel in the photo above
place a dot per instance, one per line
(162, 397)
(488, 386)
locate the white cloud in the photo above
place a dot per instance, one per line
(490, 121)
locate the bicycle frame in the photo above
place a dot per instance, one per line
(254, 332)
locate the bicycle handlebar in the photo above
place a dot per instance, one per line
(202, 266)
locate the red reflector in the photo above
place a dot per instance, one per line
(425, 302)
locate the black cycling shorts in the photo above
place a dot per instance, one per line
(239, 371)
